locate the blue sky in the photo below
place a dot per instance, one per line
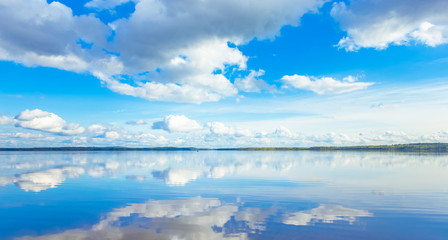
(222, 73)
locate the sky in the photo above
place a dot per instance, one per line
(222, 73)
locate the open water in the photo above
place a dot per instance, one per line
(223, 195)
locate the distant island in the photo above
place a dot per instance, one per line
(412, 147)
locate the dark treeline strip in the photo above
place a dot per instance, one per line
(413, 147)
(98, 149)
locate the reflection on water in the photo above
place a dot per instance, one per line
(37, 172)
(198, 218)
(177, 176)
(223, 195)
(42, 180)
(326, 214)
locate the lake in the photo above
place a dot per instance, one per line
(223, 195)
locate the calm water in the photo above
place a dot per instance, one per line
(223, 195)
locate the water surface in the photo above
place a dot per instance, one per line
(223, 195)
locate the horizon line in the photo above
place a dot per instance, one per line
(406, 147)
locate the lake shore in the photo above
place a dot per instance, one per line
(411, 147)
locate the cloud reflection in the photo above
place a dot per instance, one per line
(177, 177)
(195, 218)
(42, 180)
(43, 171)
(326, 214)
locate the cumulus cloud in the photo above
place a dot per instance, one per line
(156, 32)
(27, 135)
(45, 121)
(333, 138)
(96, 129)
(47, 34)
(112, 135)
(326, 214)
(252, 83)
(178, 141)
(283, 132)
(105, 4)
(189, 78)
(162, 92)
(324, 85)
(177, 123)
(4, 120)
(136, 123)
(32, 136)
(161, 140)
(220, 129)
(380, 23)
(169, 50)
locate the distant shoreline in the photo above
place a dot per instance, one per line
(412, 147)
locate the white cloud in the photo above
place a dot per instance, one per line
(4, 120)
(136, 123)
(252, 83)
(326, 214)
(220, 129)
(283, 132)
(157, 31)
(402, 110)
(324, 85)
(45, 121)
(178, 141)
(163, 92)
(172, 51)
(190, 80)
(27, 135)
(96, 129)
(32, 136)
(431, 34)
(162, 140)
(380, 23)
(177, 123)
(105, 4)
(37, 33)
(335, 139)
(112, 135)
